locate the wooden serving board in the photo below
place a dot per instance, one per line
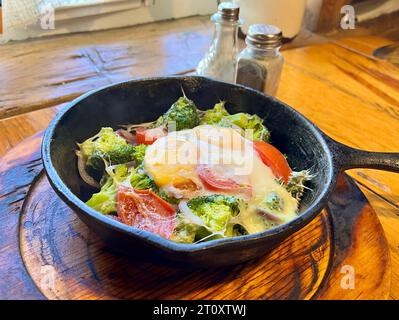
(47, 252)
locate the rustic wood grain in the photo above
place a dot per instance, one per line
(371, 280)
(359, 104)
(388, 214)
(15, 129)
(362, 44)
(322, 96)
(62, 69)
(59, 258)
(21, 164)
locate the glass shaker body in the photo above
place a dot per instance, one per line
(220, 62)
(260, 68)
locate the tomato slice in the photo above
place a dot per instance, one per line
(274, 159)
(216, 181)
(143, 209)
(149, 136)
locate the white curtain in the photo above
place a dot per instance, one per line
(24, 13)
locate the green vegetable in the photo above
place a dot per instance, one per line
(95, 166)
(273, 202)
(165, 196)
(187, 232)
(184, 232)
(213, 116)
(119, 173)
(104, 201)
(235, 230)
(105, 146)
(215, 210)
(296, 183)
(140, 180)
(183, 113)
(247, 121)
(139, 153)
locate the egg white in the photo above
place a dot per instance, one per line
(171, 161)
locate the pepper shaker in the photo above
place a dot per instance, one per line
(260, 63)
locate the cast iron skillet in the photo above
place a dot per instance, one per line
(140, 101)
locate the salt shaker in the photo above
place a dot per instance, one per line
(220, 62)
(260, 63)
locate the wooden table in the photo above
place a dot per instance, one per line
(350, 95)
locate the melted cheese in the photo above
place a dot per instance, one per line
(172, 161)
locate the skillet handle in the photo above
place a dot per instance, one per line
(350, 158)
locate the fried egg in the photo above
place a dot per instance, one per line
(172, 162)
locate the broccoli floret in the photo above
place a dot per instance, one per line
(103, 142)
(184, 231)
(187, 232)
(122, 153)
(273, 202)
(213, 116)
(139, 153)
(247, 121)
(104, 201)
(119, 173)
(95, 166)
(296, 183)
(235, 230)
(165, 196)
(106, 146)
(138, 179)
(183, 113)
(215, 210)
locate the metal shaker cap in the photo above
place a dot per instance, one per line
(264, 35)
(229, 11)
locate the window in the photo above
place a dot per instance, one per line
(35, 18)
(70, 9)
